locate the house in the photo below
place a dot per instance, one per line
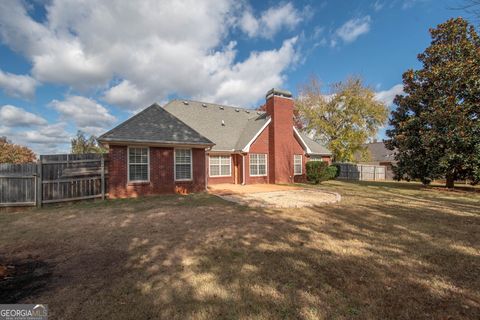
(187, 145)
(377, 154)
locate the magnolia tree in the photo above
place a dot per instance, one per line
(344, 119)
(436, 126)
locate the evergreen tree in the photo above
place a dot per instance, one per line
(436, 127)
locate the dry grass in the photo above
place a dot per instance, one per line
(387, 251)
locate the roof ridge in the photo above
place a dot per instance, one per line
(218, 104)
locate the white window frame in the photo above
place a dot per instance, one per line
(258, 165)
(295, 159)
(220, 166)
(175, 164)
(128, 163)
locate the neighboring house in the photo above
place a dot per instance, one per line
(377, 154)
(187, 145)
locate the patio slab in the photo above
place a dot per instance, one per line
(275, 196)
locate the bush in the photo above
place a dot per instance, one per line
(331, 172)
(336, 165)
(318, 171)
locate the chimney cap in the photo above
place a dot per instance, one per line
(278, 92)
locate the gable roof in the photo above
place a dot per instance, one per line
(230, 128)
(377, 152)
(155, 125)
(189, 122)
(312, 146)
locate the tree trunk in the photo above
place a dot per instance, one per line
(450, 180)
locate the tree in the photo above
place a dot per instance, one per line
(14, 153)
(435, 127)
(343, 120)
(81, 144)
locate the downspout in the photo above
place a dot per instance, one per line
(206, 168)
(243, 169)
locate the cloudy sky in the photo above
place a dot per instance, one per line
(88, 65)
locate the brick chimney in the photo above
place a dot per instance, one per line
(279, 106)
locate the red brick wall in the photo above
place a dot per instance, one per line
(282, 142)
(161, 173)
(260, 145)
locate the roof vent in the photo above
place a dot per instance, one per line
(237, 110)
(185, 103)
(258, 112)
(223, 123)
(247, 111)
(204, 105)
(221, 108)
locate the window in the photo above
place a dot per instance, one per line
(138, 168)
(258, 164)
(183, 164)
(220, 166)
(297, 164)
(315, 158)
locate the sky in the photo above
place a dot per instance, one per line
(89, 65)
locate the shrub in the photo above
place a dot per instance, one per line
(336, 165)
(318, 171)
(331, 172)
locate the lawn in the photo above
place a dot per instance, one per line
(386, 251)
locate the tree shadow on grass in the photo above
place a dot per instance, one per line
(160, 259)
(269, 264)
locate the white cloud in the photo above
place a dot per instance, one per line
(378, 5)
(387, 96)
(88, 115)
(11, 116)
(127, 95)
(234, 86)
(270, 21)
(45, 139)
(160, 48)
(19, 86)
(354, 28)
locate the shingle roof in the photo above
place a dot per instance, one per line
(377, 152)
(192, 122)
(156, 125)
(229, 127)
(315, 147)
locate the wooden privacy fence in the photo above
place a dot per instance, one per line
(362, 172)
(18, 184)
(54, 178)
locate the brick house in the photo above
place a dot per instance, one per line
(187, 145)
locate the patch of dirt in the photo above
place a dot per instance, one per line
(21, 279)
(284, 199)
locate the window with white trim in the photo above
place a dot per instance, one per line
(315, 158)
(220, 166)
(183, 164)
(138, 164)
(297, 164)
(258, 164)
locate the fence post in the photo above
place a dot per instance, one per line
(102, 164)
(39, 183)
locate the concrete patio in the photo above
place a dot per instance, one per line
(273, 195)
